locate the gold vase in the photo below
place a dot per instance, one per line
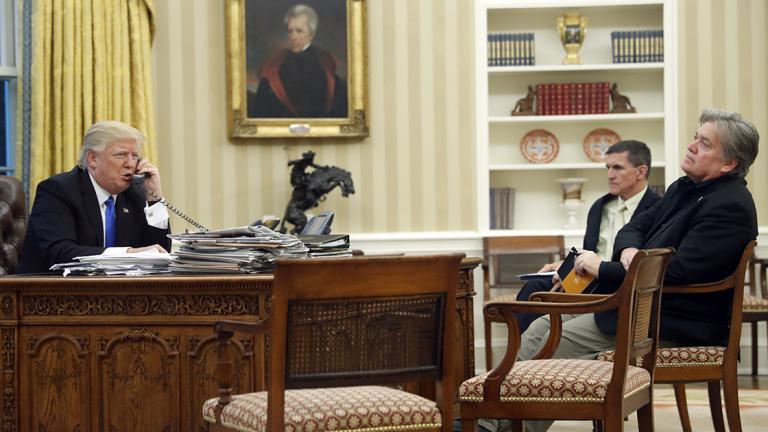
(572, 28)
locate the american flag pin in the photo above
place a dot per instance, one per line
(125, 210)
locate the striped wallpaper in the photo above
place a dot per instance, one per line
(416, 171)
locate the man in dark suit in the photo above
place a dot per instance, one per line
(708, 216)
(93, 209)
(629, 165)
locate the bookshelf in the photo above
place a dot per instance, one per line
(650, 86)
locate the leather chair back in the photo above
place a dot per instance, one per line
(13, 223)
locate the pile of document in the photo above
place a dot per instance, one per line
(327, 245)
(132, 264)
(248, 249)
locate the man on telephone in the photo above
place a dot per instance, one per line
(93, 208)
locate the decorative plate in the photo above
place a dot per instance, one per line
(596, 143)
(539, 146)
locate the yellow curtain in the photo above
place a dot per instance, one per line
(91, 61)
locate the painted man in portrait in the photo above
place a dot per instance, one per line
(300, 79)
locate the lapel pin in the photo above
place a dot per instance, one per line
(125, 210)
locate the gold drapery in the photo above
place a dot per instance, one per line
(91, 61)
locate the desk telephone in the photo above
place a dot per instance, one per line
(138, 181)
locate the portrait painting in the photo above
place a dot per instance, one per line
(296, 68)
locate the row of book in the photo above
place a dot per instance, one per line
(502, 211)
(642, 46)
(572, 98)
(511, 49)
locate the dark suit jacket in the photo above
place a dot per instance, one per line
(595, 215)
(65, 222)
(708, 224)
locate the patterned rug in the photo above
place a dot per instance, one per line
(753, 405)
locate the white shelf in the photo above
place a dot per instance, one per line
(628, 117)
(556, 166)
(576, 68)
(529, 4)
(650, 86)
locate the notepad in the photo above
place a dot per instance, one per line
(572, 282)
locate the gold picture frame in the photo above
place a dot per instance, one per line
(250, 111)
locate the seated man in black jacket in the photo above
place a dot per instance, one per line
(93, 208)
(629, 165)
(708, 216)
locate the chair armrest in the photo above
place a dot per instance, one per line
(722, 285)
(224, 364)
(225, 328)
(561, 297)
(591, 303)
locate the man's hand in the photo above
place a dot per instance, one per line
(553, 266)
(587, 263)
(153, 248)
(151, 180)
(627, 255)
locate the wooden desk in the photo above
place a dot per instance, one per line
(137, 354)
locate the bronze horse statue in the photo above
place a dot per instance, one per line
(310, 189)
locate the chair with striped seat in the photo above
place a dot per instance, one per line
(710, 364)
(339, 330)
(573, 389)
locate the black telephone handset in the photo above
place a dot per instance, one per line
(138, 181)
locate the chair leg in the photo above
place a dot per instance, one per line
(645, 418)
(731, 394)
(597, 425)
(517, 426)
(468, 425)
(613, 422)
(488, 345)
(682, 407)
(715, 406)
(753, 334)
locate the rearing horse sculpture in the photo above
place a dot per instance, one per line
(310, 189)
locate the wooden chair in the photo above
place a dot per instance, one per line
(494, 249)
(575, 389)
(756, 304)
(712, 364)
(339, 328)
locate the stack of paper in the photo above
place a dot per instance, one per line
(133, 264)
(327, 245)
(248, 249)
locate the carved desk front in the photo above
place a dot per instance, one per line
(125, 354)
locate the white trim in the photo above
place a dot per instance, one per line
(578, 118)
(570, 68)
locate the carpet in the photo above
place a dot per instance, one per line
(753, 405)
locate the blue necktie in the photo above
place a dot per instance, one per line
(109, 223)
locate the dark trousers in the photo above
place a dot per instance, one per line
(532, 286)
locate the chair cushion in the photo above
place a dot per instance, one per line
(556, 380)
(363, 408)
(681, 356)
(755, 303)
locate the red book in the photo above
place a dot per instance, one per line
(580, 98)
(539, 99)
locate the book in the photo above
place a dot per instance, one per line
(325, 241)
(572, 282)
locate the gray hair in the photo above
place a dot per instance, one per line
(639, 153)
(103, 133)
(307, 11)
(738, 137)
